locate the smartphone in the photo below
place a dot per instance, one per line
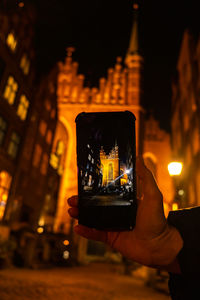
(106, 155)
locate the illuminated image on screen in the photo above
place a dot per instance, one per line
(105, 169)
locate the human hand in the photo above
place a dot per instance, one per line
(153, 242)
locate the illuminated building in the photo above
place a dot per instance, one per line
(185, 120)
(16, 79)
(29, 181)
(109, 165)
(112, 168)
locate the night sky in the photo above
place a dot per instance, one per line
(100, 31)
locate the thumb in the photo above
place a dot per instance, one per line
(147, 184)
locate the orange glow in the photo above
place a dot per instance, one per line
(4, 197)
(5, 181)
(135, 6)
(2, 175)
(66, 242)
(175, 206)
(175, 168)
(11, 41)
(21, 4)
(40, 230)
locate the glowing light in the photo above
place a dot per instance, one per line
(11, 41)
(128, 171)
(2, 175)
(181, 192)
(4, 197)
(175, 168)
(40, 230)
(41, 222)
(21, 4)
(135, 6)
(174, 206)
(66, 254)
(66, 242)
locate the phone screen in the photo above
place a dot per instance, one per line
(106, 167)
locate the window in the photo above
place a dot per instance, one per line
(37, 155)
(10, 90)
(47, 105)
(49, 137)
(53, 113)
(60, 148)
(44, 164)
(3, 126)
(60, 169)
(23, 107)
(5, 182)
(54, 160)
(14, 145)
(25, 64)
(11, 41)
(43, 127)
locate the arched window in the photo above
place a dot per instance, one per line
(110, 171)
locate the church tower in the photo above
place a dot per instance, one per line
(134, 62)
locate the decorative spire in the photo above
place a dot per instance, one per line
(69, 51)
(68, 58)
(133, 48)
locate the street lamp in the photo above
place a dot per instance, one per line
(175, 169)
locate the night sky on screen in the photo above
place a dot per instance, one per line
(100, 31)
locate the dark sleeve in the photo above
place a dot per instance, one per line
(187, 221)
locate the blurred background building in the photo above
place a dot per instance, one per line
(185, 121)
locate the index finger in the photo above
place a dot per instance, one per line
(73, 201)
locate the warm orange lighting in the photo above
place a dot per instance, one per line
(40, 230)
(135, 6)
(21, 4)
(11, 41)
(175, 168)
(174, 206)
(41, 222)
(4, 197)
(2, 175)
(66, 242)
